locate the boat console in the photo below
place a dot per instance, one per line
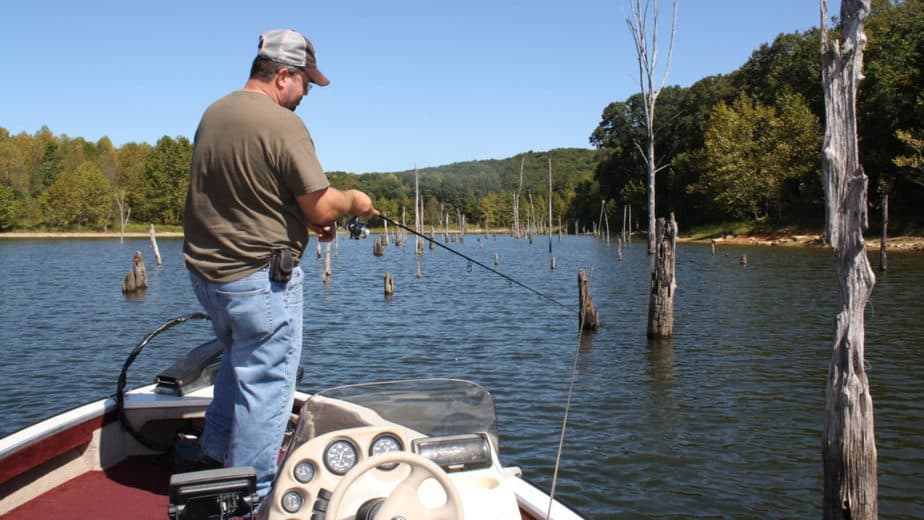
(398, 449)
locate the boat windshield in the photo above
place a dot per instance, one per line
(432, 407)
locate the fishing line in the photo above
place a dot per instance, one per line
(473, 261)
(577, 351)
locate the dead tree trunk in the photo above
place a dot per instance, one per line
(550, 204)
(418, 217)
(325, 276)
(154, 245)
(137, 278)
(848, 444)
(883, 261)
(124, 213)
(389, 284)
(587, 317)
(663, 281)
(646, 49)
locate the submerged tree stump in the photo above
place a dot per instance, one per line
(663, 281)
(378, 248)
(389, 284)
(137, 277)
(587, 317)
(848, 449)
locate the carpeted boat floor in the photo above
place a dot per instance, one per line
(134, 489)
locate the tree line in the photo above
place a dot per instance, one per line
(739, 146)
(746, 145)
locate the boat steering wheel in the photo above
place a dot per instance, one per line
(404, 500)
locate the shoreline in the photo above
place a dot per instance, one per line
(88, 234)
(898, 243)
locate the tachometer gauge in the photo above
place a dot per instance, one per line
(383, 444)
(340, 456)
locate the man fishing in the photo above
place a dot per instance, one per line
(256, 187)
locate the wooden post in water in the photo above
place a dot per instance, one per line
(137, 277)
(154, 246)
(587, 316)
(883, 261)
(389, 284)
(624, 223)
(550, 208)
(327, 272)
(663, 281)
(378, 247)
(848, 448)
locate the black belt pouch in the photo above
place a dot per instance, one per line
(281, 265)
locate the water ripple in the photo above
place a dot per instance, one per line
(722, 420)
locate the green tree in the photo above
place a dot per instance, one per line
(79, 198)
(497, 209)
(889, 100)
(131, 164)
(167, 180)
(913, 162)
(9, 207)
(750, 151)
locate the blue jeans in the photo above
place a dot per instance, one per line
(259, 323)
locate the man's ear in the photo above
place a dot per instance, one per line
(279, 79)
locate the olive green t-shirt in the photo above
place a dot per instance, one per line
(251, 157)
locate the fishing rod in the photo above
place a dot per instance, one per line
(472, 260)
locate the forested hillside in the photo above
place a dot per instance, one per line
(747, 145)
(484, 190)
(740, 146)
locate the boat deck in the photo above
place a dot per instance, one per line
(135, 488)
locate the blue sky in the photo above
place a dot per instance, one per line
(413, 82)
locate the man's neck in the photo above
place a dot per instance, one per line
(254, 85)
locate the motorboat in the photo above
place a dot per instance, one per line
(410, 449)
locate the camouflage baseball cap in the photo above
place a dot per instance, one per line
(291, 48)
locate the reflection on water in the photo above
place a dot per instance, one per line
(722, 420)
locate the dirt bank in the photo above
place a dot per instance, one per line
(901, 243)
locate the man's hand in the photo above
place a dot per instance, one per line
(325, 233)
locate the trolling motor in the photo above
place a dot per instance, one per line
(357, 229)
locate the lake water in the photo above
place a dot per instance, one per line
(722, 421)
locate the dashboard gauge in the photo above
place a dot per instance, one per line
(383, 444)
(340, 456)
(304, 471)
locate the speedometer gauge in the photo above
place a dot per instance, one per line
(340, 456)
(383, 444)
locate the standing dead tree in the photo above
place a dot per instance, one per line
(883, 260)
(646, 48)
(587, 315)
(663, 281)
(848, 444)
(124, 212)
(516, 202)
